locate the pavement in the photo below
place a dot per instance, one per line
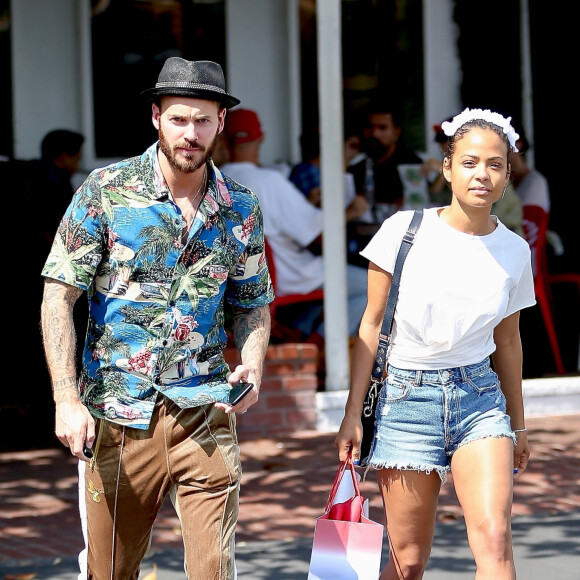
(285, 485)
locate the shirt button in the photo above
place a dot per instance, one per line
(164, 343)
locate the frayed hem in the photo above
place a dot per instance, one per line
(441, 471)
(479, 438)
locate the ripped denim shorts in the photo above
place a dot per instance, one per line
(423, 417)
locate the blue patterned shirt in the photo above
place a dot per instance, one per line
(305, 177)
(156, 296)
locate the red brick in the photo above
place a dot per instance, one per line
(276, 369)
(301, 383)
(289, 351)
(272, 353)
(302, 419)
(272, 384)
(285, 401)
(308, 351)
(305, 368)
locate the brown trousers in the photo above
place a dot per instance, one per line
(193, 455)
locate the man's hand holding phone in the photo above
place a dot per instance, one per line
(236, 398)
(238, 392)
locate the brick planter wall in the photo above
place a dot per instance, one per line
(287, 395)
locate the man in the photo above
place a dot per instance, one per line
(61, 152)
(159, 242)
(292, 225)
(43, 188)
(306, 174)
(376, 172)
(385, 149)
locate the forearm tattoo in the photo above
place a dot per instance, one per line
(58, 335)
(252, 335)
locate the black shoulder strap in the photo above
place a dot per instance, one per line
(385, 334)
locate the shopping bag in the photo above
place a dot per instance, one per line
(347, 544)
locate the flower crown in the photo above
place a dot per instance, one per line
(451, 127)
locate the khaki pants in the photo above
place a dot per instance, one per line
(193, 455)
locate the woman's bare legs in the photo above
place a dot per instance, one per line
(410, 502)
(483, 478)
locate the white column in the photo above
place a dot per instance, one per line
(442, 68)
(334, 232)
(295, 94)
(86, 78)
(527, 98)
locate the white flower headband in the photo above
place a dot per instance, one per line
(451, 127)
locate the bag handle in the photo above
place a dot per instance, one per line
(385, 334)
(338, 478)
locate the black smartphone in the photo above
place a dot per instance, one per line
(238, 392)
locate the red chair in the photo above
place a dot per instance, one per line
(535, 226)
(288, 299)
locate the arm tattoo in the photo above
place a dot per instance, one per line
(252, 335)
(58, 335)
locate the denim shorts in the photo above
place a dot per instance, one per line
(423, 417)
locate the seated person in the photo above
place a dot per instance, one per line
(292, 225)
(378, 174)
(306, 174)
(439, 191)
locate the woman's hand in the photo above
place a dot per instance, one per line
(349, 438)
(521, 453)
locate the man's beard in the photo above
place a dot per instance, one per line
(374, 148)
(189, 164)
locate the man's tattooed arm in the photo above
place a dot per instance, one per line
(59, 337)
(252, 335)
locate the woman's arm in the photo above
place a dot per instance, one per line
(507, 363)
(363, 356)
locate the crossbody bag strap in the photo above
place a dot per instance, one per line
(385, 334)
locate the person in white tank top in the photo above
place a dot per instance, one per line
(452, 397)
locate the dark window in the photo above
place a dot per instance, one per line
(382, 53)
(6, 129)
(131, 41)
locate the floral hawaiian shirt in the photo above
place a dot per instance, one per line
(156, 292)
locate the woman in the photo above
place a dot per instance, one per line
(442, 407)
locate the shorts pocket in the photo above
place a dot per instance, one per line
(485, 382)
(395, 389)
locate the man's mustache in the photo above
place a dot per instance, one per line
(191, 144)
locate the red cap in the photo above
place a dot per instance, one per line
(242, 126)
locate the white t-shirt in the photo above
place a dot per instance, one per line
(291, 223)
(455, 289)
(534, 190)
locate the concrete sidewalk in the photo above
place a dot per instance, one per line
(285, 485)
(544, 547)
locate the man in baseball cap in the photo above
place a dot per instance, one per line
(243, 126)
